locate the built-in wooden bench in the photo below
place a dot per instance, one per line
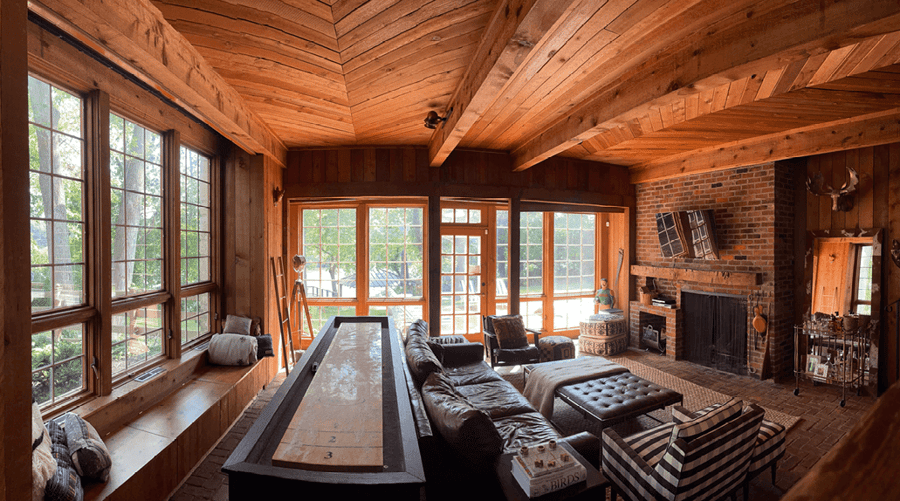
(158, 431)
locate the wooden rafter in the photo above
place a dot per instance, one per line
(134, 35)
(857, 132)
(515, 29)
(728, 56)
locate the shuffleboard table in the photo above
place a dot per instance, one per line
(341, 423)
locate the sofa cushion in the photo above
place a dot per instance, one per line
(237, 325)
(519, 356)
(43, 466)
(709, 421)
(651, 444)
(510, 331)
(497, 398)
(468, 430)
(232, 349)
(421, 360)
(479, 372)
(89, 454)
(524, 429)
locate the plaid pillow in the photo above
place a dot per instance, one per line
(510, 332)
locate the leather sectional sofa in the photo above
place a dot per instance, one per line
(467, 415)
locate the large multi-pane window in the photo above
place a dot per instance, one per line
(195, 217)
(136, 204)
(57, 192)
(392, 254)
(72, 221)
(570, 297)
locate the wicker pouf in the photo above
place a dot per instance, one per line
(604, 337)
(556, 348)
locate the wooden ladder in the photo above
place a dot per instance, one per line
(284, 311)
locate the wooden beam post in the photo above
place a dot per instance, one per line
(434, 265)
(172, 251)
(781, 35)
(15, 308)
(516, 28)
(515, 246)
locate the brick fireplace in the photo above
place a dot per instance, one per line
(754, 216)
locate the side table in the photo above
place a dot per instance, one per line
(593, 488)
(604, 337)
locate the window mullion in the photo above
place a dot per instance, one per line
(99, 248)
(362, 259)
(171, 170)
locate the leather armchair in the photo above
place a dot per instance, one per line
(530, 354)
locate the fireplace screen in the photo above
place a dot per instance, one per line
(715, 331)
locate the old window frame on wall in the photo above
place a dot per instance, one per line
(160, 306)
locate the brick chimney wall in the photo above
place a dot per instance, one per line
(754, 217)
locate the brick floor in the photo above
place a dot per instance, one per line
(824, 423)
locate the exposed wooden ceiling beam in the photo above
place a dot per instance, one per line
(782, 35)
(516, 28)
(134, 35)
(857, 132)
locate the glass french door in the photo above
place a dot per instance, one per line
(462, 282)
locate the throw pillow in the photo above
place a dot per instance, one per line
(708, 421)
(237, 325)
(510, 332)
(65, 484)
(43, 466)
(89, 454)
(264, 346)
(232, 349)
(468, 430)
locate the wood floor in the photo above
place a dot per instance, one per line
(824, 423)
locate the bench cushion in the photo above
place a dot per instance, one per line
(497, 398)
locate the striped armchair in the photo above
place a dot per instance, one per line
(707, 457)
(769, 446)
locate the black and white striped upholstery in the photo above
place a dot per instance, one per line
(770, 442)
(706, 458)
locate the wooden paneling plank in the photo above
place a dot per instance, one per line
(851, 217)
(736, 92)
(812, 202)
(838, 175)
(892, 291)
(866, 181)
(881, 164)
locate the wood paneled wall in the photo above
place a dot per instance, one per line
(876, 205)
(15, 307)
(476, 174)
(252, 233)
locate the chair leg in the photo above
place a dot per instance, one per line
(773, 471)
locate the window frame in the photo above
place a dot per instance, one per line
(99, 307)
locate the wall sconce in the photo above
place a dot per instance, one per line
(277, 195)
(842, 199)
(433, 119)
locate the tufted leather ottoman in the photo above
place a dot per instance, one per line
(618, 397)
(556, 348)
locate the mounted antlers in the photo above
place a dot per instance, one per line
(841, 199)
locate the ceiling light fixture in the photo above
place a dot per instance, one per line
(433, 119)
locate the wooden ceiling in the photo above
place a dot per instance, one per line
(664, 87)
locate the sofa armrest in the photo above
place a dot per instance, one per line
(622, 465)
(682, 415)
(587, 444)
(461, 354)
(535, 333)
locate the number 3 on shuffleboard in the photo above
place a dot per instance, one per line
(328, 455)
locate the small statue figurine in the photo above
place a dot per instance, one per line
(605, 297)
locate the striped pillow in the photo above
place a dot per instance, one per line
(708, 421)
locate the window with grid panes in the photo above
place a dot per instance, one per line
(574, 268)
(396, 252)
(862, 298)
(195, 217)
(137, 337)
(329, 245)
(137, 208)
(57, 213)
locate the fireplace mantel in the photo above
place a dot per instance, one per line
(679, 275)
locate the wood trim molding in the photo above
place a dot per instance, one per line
(134, 35)
(679, 275)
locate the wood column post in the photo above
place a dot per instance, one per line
(515, 245)
(15, 309)
(434, 265)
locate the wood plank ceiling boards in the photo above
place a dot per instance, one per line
(663, 87)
